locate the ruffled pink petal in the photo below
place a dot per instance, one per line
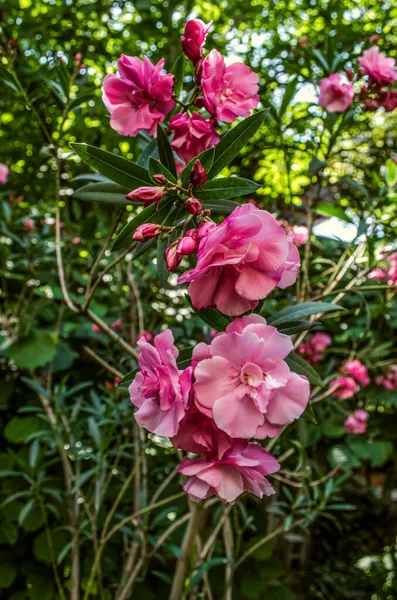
(239, 417)
(289, 403)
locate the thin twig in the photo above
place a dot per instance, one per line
(102, 362)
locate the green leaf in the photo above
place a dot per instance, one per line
(289, 93)
(149, 150)
(329, 210)
(321, 60)
(165, 150)
(356, 186)
(297, 364)
(95, 432)
(235, 140)
(227, 187)
(128, 379)
(299, 311)
(389, 172)
(206, 158)
(35, 350)
(26, 510)
(297, 327)
(116, 168)
(177, 71)
(34, 453)
(155, 168)
(147, 215)
(309, 415)
(211, 316)
(204, 568)
(108, 193)
(8, 572)
(185, 356)
(316, 165)
(222, 207)
(36, 387)
(19, 429)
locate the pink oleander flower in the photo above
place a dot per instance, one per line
(377, 66)
(357, 423)
(147, 335)
(29, 225)
(192, 135)
(389, 381)
(147, 194)
(243, 383)
(359, 372)
(95, 328)
(346, 388)
(117, 325)
(229, 92)
(4, 172)
(140, 98)
(172, 256)
(320, 341)
(241, 467)
(335, 94)
(377, 274)
(301, 235)
(193, 39)
(160, 390)
(241, 261)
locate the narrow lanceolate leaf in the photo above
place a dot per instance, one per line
(165, 150)
(184, 357)
(227, 187)
(147, 215)
(149, 150)
(177, 71)
(297, 364)
(206, 158)
(155, 168)
(118, 169)
(211, 316)
(128, 379)
(222, 207)
(300, 311)
(235, 140)
(297, 327)
(108, 193)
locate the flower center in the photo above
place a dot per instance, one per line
(251, 375)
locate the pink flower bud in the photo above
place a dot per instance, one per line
(29, 225)
(78, 58)
(117, 325)
(193, 39)
(204, 229)
(95, 328)
(186, 245)
(160, 178)
(146, 232)
(147, 194)
(199, 102)
(172, 256)
(76, 241)
(198, 176)
(192, 205)
(303, 40)
(349, 74)
(192, 233)
(374, 38)
(116, 380)
(147, 335)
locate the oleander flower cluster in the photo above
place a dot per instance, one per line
(237, 389)
(354, 376)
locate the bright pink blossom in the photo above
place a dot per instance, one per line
(357, 423)
(320, 341)
(140, 98)
(192, 135)
(346, 388)
(377, 66)
(358, 371)
(241, 261)
(229, 92)
(335, 94)
(160, 390)
(301, 235)
(4, 172)
(193, 39)
(243, 383)
(242, 467)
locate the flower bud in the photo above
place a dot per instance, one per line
(78, 58)
(29, 225)
(147, 194)
(192, 233)
(193, 39)
(204, 229)
(349, 74)
(186, 245)
(374, 38)
(160, 178)
(192, 205)
(198, 176)
(172, 257)
(199, 102)
(146, 232)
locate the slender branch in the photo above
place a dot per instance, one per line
(228, 543)
(108, 268)
(102, 362)
(111, 334)
(215, 532)
(183, 562)
(163, 485)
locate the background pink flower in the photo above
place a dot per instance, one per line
(301, 235)
(140, 98)
(160, 390)
(192, 135)
(193, 38)
(357, 423)
(243, 383)
(242, 467)
(229, 92)
(335, 94)
(377, 66)
(358, 371)
(241, 261)
(4, 172)
(346, 389)
(389, 381)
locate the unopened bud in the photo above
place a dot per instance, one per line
(204, 229)
(160, 178)
(147, 194)
(374, 38)
(193, 206)
(146, 232)
(186, 245)
(198, 176)
(172, 256)
(78, 58)
(349, 74)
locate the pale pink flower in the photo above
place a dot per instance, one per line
(357, 423)
(377, 66)
(242, 467)
(243, 383)
(377, 274)
(141, 98)
(4, 172)
(320, 341)
(192, 135)
(229, 92)
(241, 261)
(160, 390)
(346, 388)
(301, 235)
(193, 38)
(358, 371)
(335, 94)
